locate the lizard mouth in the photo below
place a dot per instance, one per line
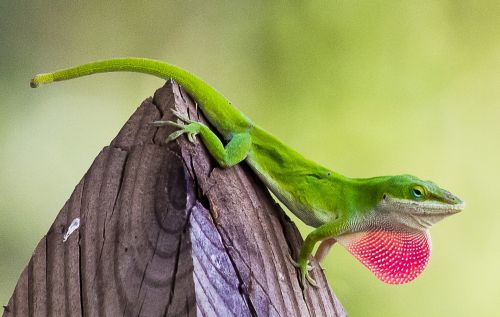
(428, 207)
(418, 215)
(439, 209)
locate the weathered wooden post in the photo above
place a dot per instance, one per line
(157, 229)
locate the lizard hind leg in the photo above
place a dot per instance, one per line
(324, 248)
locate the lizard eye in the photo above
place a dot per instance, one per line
(417, 192)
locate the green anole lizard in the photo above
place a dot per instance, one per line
(383, 221)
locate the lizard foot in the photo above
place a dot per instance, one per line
(304, 269)
(190, 127)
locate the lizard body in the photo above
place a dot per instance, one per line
(383, 221)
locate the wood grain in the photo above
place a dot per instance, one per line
(165, 232)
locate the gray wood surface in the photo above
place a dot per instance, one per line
(165, 232)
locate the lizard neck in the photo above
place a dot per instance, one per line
(364, 194)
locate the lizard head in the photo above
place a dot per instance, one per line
(416, 203)
(393, 240)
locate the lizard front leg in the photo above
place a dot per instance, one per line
(324, 232)
(235, 151)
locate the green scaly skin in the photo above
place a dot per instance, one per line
(332, 203)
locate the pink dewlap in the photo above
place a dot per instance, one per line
(394, 257)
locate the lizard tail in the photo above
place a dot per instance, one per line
(218, 110)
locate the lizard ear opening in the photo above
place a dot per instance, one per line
(394, 257)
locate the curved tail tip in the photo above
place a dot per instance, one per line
(34, 83)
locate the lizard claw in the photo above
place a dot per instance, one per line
(174, 135)
(311, 281)
(304, 272)
(161, 123)
(297, 265)
(292, 260)
(192, 137)
(188, 126)
(180, 116)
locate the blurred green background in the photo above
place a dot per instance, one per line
(367, 89)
